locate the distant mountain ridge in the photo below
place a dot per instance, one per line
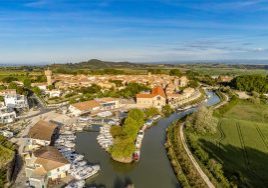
(99, 64)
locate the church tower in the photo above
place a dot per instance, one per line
(48, 74)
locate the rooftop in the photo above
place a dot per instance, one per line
(42, 130)
(87, 105)
(50, 158)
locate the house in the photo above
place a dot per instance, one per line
(187, 92)
(8, 92)
(54, 93)
(183, 81)
(41, 134)
(41, 86)
(16, 101)
(7, 115)
(157, 98)
(108, 103)
(84, 107)
(222, 78)
(92, 106)
(44, 165)
(7, 134)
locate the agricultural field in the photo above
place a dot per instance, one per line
(241, 144)
(19, 74)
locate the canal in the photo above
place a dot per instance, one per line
(152, 171)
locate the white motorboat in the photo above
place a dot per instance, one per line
(86, 173)
(76, 184)
(70, 144)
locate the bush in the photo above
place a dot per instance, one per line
(225, 108)
(150, 112)
(126, 135)
(182, 165)
(167, 110)
(202, 121)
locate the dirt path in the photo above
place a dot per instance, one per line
(223, 102)
(190, 155)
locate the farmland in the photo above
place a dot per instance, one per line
(241, 144)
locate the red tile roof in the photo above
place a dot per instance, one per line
(158, 91)
(155, 92)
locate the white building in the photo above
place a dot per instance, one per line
(94, 106)
(7, 115)
(54, 93)
(44, 165)
(7, 134)
(16, 101)
(41, 134)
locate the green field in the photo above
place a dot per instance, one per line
(241, 144)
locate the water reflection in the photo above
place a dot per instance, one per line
(153, 170)
(121, 167)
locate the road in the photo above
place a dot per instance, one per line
(190, 155)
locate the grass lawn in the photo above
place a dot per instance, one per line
(241, 144)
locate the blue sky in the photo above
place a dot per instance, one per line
(33, 31)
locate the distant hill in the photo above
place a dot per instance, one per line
(99, 64)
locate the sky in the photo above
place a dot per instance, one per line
(60, 31)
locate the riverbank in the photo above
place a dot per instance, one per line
(184, 169)
(7, 161)
(153, 156)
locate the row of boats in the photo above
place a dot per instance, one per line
(80, 169)
(140, 136)
(105, 139)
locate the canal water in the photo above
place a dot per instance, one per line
(152, 171)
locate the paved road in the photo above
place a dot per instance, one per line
(190, 155)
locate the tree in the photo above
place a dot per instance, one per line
(150, 112)
(250, 83)
(132, 89)
(93, 89)
(9, 79)
(116, 131)
(12, 85)
(27, 83)
(118, 83)
(203, 121)
(50, 87)
(155, 71)
(125, 136)
(175, 72)
(193, 84)
(37, 90)
(123, 148)
(167, 110)
(2, 87)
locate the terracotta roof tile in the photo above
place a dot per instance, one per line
(50, 158)
(87, 105)
(155, 92)
(42, 130)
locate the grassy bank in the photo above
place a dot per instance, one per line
(7, 154)
(185, 172)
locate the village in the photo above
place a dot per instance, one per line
(47, 138)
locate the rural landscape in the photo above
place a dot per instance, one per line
(133, 94)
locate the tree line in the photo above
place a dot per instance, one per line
(250, 83)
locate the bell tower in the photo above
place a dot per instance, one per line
(48, 74)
